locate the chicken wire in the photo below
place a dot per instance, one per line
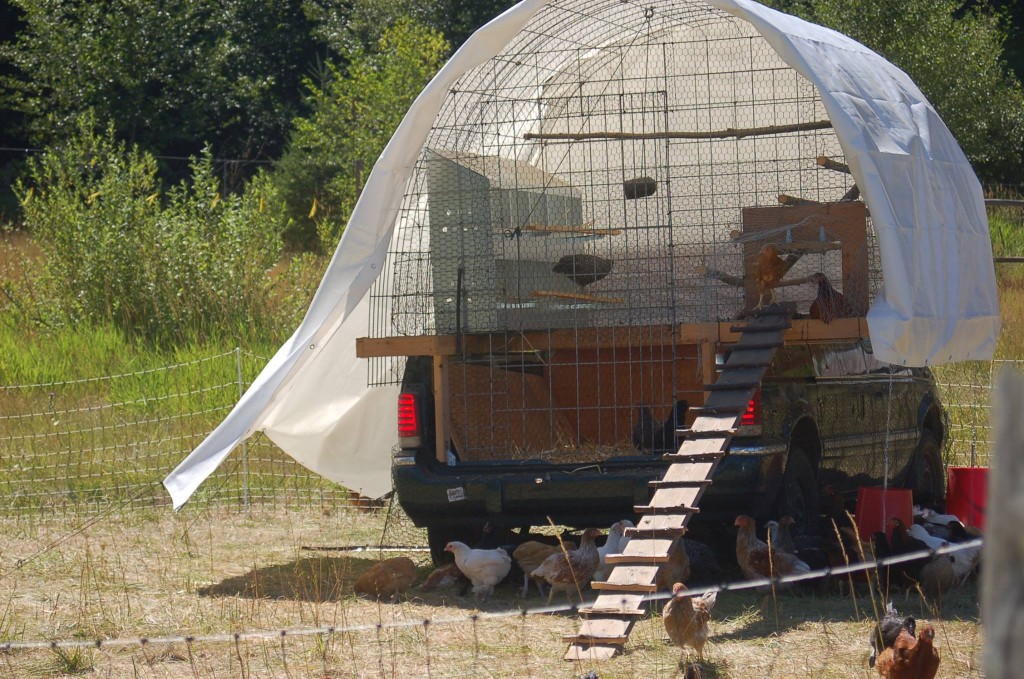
(580, 183)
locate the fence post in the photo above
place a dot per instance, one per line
(1002, 573)
(245, 444)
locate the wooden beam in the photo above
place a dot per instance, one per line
(803, 330)
(738, 133)
(442, 408)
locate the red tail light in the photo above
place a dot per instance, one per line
(408, 416)
(752, 415)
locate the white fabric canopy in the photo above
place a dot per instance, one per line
(938, 302)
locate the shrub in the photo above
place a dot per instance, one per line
(163, 268)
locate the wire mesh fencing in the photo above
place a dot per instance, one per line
(88, 445)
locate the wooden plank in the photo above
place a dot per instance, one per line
(689, 458)
(662, 483)
(603, 630)
(583, 639)
(662, 525)
(620, 600)
(652, 550)
(735, 376)
(697, 471)
(802, 330)
(723, 409)
(709, 445)
(441, 394)
(713, 423)
(578, 652)
(753, 358)
(630, 579)
(726, 399)
(625, 612)
(746, 344)
(675, 497)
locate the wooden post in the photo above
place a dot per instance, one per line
(441, 406)
(707, 363)
(1002, 580)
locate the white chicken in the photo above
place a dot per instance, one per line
(613, 545)
(485, 568)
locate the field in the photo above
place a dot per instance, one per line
(211, 573)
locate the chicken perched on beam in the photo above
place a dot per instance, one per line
(830, 303)
(769, 269)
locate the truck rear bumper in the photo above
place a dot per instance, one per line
(745, 482)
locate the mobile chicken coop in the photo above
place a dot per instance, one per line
(565, 243)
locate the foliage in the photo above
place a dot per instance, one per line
(353, 116)
(169, 76)
(954, 53)
(158, 267)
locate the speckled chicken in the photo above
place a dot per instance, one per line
(530, 555)
(485, 568)
(571, 571)
(686, 618)
(756, 560)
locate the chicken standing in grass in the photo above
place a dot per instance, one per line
(780, 537)
(757, 560)
(884, 634)
(530, 555)
(686, 618)
(910, 658)
(390, 578)
(571, 571)
(485, 568)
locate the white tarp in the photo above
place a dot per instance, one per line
(938, 302)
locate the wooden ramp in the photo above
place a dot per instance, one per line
(607, 624)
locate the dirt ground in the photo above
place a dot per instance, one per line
(208, 574)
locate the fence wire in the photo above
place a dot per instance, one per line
(79, 446)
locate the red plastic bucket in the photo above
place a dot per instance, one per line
(875, 506)
(966, 494)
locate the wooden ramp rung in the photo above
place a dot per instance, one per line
(626, 612)
(682, 483)
(608, 622)
(578, 652)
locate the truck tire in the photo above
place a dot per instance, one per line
(927, 478)
(798, 494)
(437, 539)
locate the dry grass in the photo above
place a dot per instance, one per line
(210, 573)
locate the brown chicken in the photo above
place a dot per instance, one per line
(571, 571)
(530, 555)
(390, 577)
(910, 658)
(446, 577)
(686, 618)
(769, 269)
(676, 569)
(830, 303)
(752, 554)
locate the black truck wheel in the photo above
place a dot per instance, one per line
(927, 478)
(798, 494)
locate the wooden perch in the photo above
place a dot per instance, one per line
(576, 296)
(786, 199)
(728, 279)
(852, 194)
(738, 133)
(580, 230)
(830, 164)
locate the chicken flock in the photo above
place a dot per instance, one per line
(899, 647)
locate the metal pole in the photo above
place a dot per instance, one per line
(245, 445)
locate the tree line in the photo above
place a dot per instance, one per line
(155, 115)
